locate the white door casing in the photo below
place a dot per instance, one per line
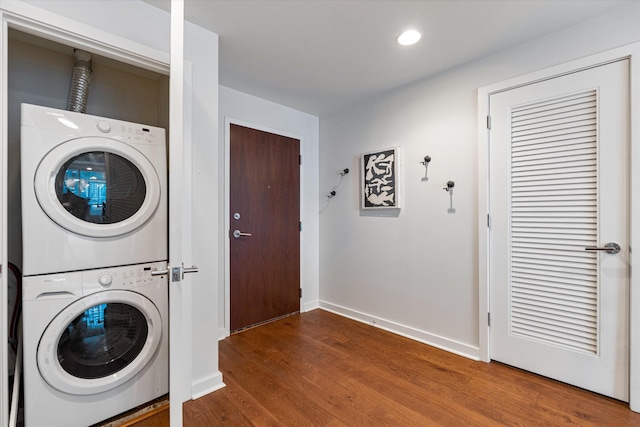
(227, 279)
(4, 282)
(177, 195)
(558, 183)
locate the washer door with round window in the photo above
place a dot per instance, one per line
(99, 342)
(97, 187)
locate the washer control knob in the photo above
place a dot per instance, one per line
(103, 127)
(105, 279)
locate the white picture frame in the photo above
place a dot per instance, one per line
(380, 179)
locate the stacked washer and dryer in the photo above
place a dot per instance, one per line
(94, 219)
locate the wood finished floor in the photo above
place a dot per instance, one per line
(320, 369)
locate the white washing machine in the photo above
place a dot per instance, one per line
(95, 344)
(94, 192)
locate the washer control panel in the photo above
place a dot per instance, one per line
(126, 277)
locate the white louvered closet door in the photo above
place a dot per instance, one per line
(559, 184)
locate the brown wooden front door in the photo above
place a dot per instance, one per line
(265, 208)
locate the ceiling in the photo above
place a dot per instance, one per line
(320, 56)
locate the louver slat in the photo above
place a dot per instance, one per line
(554, 215)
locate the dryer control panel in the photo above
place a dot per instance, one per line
(85, 125)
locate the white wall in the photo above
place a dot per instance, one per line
(147, 26)
(416, 273)
(252, 111)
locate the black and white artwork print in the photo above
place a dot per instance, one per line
(380, 179)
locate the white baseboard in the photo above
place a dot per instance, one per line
(311, 305)
(222, 334)
(442, 343)
(207, 385)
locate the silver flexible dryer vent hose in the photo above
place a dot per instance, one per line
(80, 80)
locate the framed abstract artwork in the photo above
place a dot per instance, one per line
(380, 179)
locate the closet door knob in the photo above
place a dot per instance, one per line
(610, 248)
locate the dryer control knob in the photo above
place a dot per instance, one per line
(104, 127)
(105, 279)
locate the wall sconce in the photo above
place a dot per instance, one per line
(332, 194)
(344, 172)
(450, 185)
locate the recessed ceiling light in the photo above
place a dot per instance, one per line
(408, 38)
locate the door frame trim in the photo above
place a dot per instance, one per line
(631, 52)
(228, 121)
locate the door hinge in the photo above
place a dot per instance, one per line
(489, 122)
(300, 159)
(300, 292)
(489, 221)
(488, 319)
(300, 225)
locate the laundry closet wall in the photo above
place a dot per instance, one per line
(142, 24)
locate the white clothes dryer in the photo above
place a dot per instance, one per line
(94, 192)
(95, 344)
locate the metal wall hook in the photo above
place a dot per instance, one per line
(426, 161)
(449, 189)
(333, 193)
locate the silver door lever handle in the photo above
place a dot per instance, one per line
(238, 233)
(159, 272)
(192, 269)
(610, 248)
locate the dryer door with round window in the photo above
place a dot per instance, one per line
(99, 342)
(97, 187)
